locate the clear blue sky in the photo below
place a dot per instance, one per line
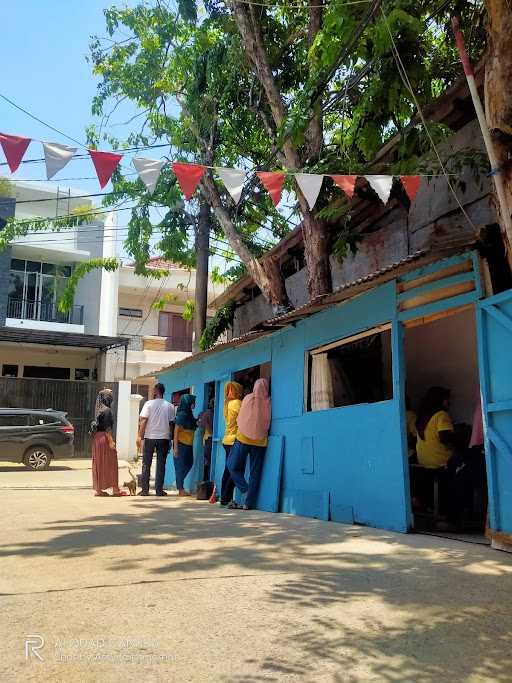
(43, 49)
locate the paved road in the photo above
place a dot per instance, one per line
(155, 590)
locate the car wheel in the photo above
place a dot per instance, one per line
(37, 458)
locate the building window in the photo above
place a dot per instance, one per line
(351, 371)
(130, 312)
(9, 370)
(42, 372)
(82, 373)
(177, 331)
(34, 290)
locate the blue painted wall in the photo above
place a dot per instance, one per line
(345, 463)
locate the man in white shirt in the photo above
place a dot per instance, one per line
(155, 429)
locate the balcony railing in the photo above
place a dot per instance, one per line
(22, 309)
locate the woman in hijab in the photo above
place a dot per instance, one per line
(184, 430)
(251, 439)
(104, 454)
(232, 403)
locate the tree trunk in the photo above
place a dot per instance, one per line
(265, 272)
(201, 290)
(315, 130)
(498, 95)
(316, 243)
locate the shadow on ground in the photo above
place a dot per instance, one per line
(423, 610)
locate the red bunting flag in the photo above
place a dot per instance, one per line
(105, 164)
(273, 182)
(14, 148)
(346, 182)
(188, 176)
(411, 184)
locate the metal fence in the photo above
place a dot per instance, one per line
(24, 309)
(76, 398)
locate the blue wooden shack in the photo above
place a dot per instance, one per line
(341, 454)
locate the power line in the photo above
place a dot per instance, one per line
(36, 118)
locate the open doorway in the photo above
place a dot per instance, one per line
(248, 376)
(206, 422)
(446, 454)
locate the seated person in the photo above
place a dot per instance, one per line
(435, 435)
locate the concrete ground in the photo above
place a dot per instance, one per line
(173, 589)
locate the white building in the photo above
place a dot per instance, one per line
(110, 309)
(149, 312)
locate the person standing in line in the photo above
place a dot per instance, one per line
(251, 440)
(155, 426)
(205, 422)
(184, 431)
(232, 403)
(105, 469)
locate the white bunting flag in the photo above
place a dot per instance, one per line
(233, 179)
(382, 185)
(149, 171)
(310, 184)
(56, 157)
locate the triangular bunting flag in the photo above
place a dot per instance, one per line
(411, 185)
(346, 182)
(273, 182)
(188, 176)
(149, 171)
(105, 164)
(310, 184)
(234, 180)
(382, 185)
(14, 148)
(56, 157)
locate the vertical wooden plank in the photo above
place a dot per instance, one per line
(483, 362)
(399, 379)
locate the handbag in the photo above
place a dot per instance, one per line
(204, 490)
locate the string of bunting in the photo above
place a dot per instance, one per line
(57, 156)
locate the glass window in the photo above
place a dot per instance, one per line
(130, 312)
(17, 264)
(48, 268)
(33, 266)
(350, 372)
(15, 420)
(82, 373)
(9, 370)
(35, 420)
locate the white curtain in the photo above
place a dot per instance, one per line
(322, 393)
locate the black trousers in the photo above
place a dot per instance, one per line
(207, 455)
(228, 485)
(161, 446)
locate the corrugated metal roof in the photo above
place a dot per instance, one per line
(345, 291)
(19, 335)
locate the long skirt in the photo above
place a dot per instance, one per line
(104, 463)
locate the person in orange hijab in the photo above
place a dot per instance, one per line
(232, 402)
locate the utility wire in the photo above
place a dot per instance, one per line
(405, 78)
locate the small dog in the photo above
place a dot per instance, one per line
(131, 485)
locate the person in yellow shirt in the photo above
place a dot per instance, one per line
(251, 440)
(434, 426)
(184, 431)
(232, 402)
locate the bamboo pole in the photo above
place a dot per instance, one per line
(493, 160)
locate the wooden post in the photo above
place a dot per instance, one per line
(496, 171)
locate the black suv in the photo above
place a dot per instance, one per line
(34, 437)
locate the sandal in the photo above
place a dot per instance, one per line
(119, 494)
(102, 494)
(235, 506)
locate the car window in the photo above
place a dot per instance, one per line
(35, 420)
(13, 420)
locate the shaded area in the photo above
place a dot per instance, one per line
(370, 605)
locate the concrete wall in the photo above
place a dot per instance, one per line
(88, 291)
(444, 353)
(7, 208)
(433, 216)
(48, 356)
(346, 463)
